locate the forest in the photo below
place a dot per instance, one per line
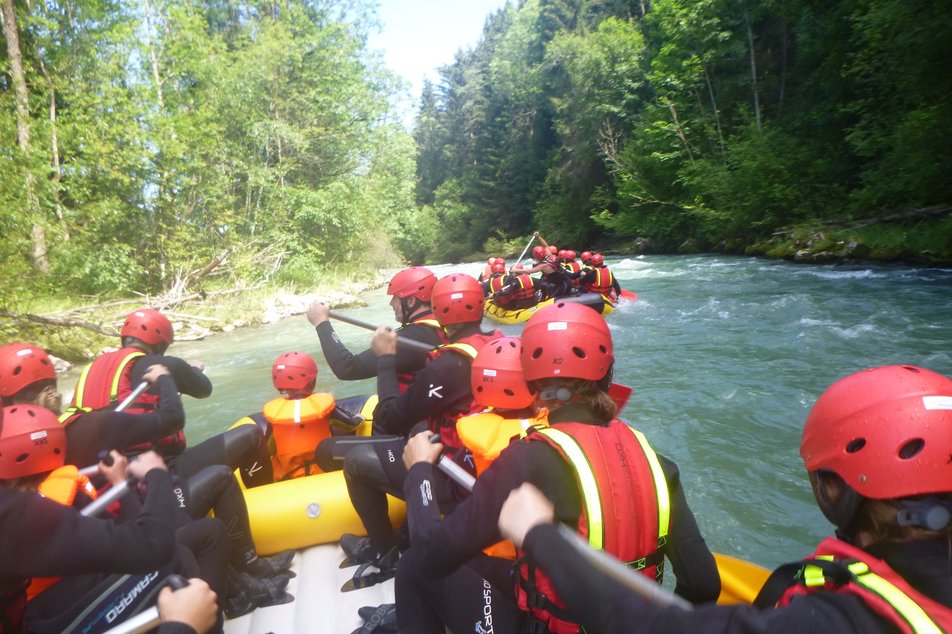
(169, 146)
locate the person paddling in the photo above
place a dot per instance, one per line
(598, 278)
(410, 291)
(439, 394)
(605, 478)
(876, 448)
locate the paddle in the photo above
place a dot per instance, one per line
(401, 341)
(523, 254)
(126, 402)
(741, 580)
(149, 619)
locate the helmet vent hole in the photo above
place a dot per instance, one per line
(912, 448)
(537, 353)
(479, 389)
(509, 392)
(57, 451)
(603, 349)
(23, 457)
(855, 445)
(578, 352)
(17, 370)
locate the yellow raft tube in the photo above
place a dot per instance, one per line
(315, 509)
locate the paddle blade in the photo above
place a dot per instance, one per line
(619, 393)
(740, 580)
(629, 295)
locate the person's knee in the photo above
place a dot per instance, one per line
(362, 464)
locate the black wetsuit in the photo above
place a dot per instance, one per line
(350, 367)
(371, 470)
(604, 607)
(445, 579)
(39, 537)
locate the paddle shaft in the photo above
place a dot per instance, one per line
(149, 619)
(103, 502)
(523, 254)
(606, 564)
(401, 341)
(126, 402)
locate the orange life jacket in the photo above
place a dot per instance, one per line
(298, 425)
(625, 508)
(486, 434)
(62, 485)
(880, 587)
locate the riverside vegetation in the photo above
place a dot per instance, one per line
(167, 150)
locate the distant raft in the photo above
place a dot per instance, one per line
(502, 315)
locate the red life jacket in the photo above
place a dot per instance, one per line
(603, 283)
(104, 383)
(520, 288)
(625, 508)
(879, 586)
(573, 267)
(444, 423)
(404, 379)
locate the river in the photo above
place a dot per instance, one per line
(725, 354)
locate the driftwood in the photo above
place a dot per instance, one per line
(106, 318)
(60, 322)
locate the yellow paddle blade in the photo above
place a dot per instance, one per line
(740, 579)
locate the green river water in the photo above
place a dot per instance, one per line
(725, 354)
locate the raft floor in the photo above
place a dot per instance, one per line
(319, 605)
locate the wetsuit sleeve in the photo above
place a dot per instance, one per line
(441, 384)
(616, 285)
(39, 537)
(351, 367)
(188, 379)
(691, 560)
(603, 606)
(105, 429)
(443, 546)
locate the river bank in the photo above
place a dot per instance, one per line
(75, 334)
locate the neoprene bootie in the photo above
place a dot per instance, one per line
(379, 619)
(265, 567)
(356, 548)
(245, 593)
(381, 567)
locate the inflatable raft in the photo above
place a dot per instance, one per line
(502, 315)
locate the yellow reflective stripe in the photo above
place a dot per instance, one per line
(661, 486)
(908, 609)
(114, 389)
(465, 348)
(428, 322)
(590, 497)
(81, 386)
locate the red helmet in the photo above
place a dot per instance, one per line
(457, 298)
(148, 325)
(598, 260)
(498, 267)
(496, 375)
(491, 260)
(538, 252)
(586, 257)
(566, 340)
(22, 365)
(887, 432)
(294, 372)
(553, 249)
(563, 254)
(415, 281)
(570, 254)
(500, 261)
(31, 441)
